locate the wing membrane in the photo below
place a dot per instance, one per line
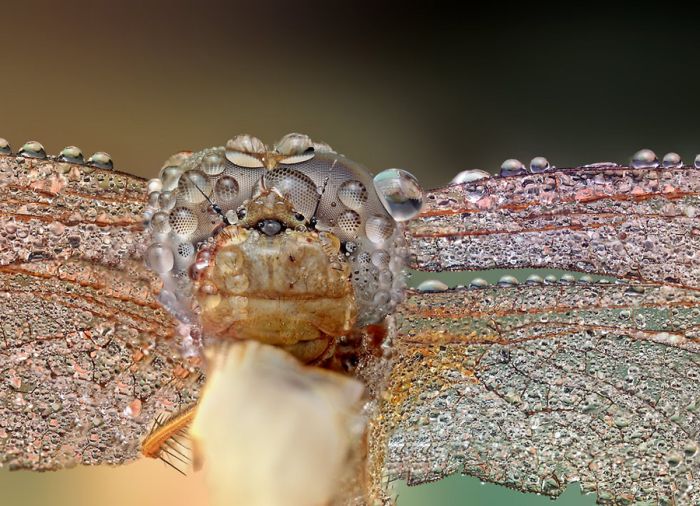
(537, 386)
(639, 224)
(86, 351)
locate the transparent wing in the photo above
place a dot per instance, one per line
(87, 359)
(639, 224)
(534, 387)
(537, 386)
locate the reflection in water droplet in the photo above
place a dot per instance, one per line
(160, 223)
(512, 167)
(32, 149)
(166, 200)
(432, 285)
(71, 154)
(550, 278)
(539, 164)
(467, 176)
(672, 161)
(378, 228)
(226, 190)
(645, 159)
(5, 148)
(567, 278)
(159, 258)
(534, 279)
(696, 163)
(232, 217)
(352, 194)
(478, 283)
(508, 281)
(212, 165)
(193, 187)
(154, 185)
(101, 160)
(400, 193)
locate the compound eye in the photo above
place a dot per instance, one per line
(269, 227)
(295, 186)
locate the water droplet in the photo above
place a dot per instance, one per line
(183, 221)
(226, 190)
(550, 278)
(159, 258)
(381, 258)
(512, 167)
(231, 217)
(567, 278)
(672, 161)
(154, 185)
(5, 148)
(133, 409)
(166, 200)
(160, 223)
(586, 279)
(539, 164)
(101, 160)
(212, 165)
(349, 222)
(645, 159)
(378, 228)
(696, 163)
(399, 192)
(432, 285)
(534, 279)
(467, 176)
(508, 280)
(478, 283)
(71, 154)
(32, 149)
(193, 187)
(270, 227)
(246, 144)
(294, 144)
(352, 194)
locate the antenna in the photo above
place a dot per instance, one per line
(214, 206)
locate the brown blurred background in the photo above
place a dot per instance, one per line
(430, 90)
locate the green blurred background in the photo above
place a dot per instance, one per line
(431, 90)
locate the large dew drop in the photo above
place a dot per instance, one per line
(432, 285)
(160, 258)
(400, 193)
(467, 176)
(696, 163)
(539, 164)
(512, 167)
(672, 161)
(645, 159)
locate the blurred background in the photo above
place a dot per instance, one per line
(430, 90)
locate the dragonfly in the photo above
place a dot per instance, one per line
(112, 285)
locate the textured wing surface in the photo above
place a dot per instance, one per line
(639, 224)
(86, 359)
(537, 386)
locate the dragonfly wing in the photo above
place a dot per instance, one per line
(86, 351)
(538, 386)
(639, 224)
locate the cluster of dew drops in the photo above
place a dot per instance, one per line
(69, 154)
(642, 159)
